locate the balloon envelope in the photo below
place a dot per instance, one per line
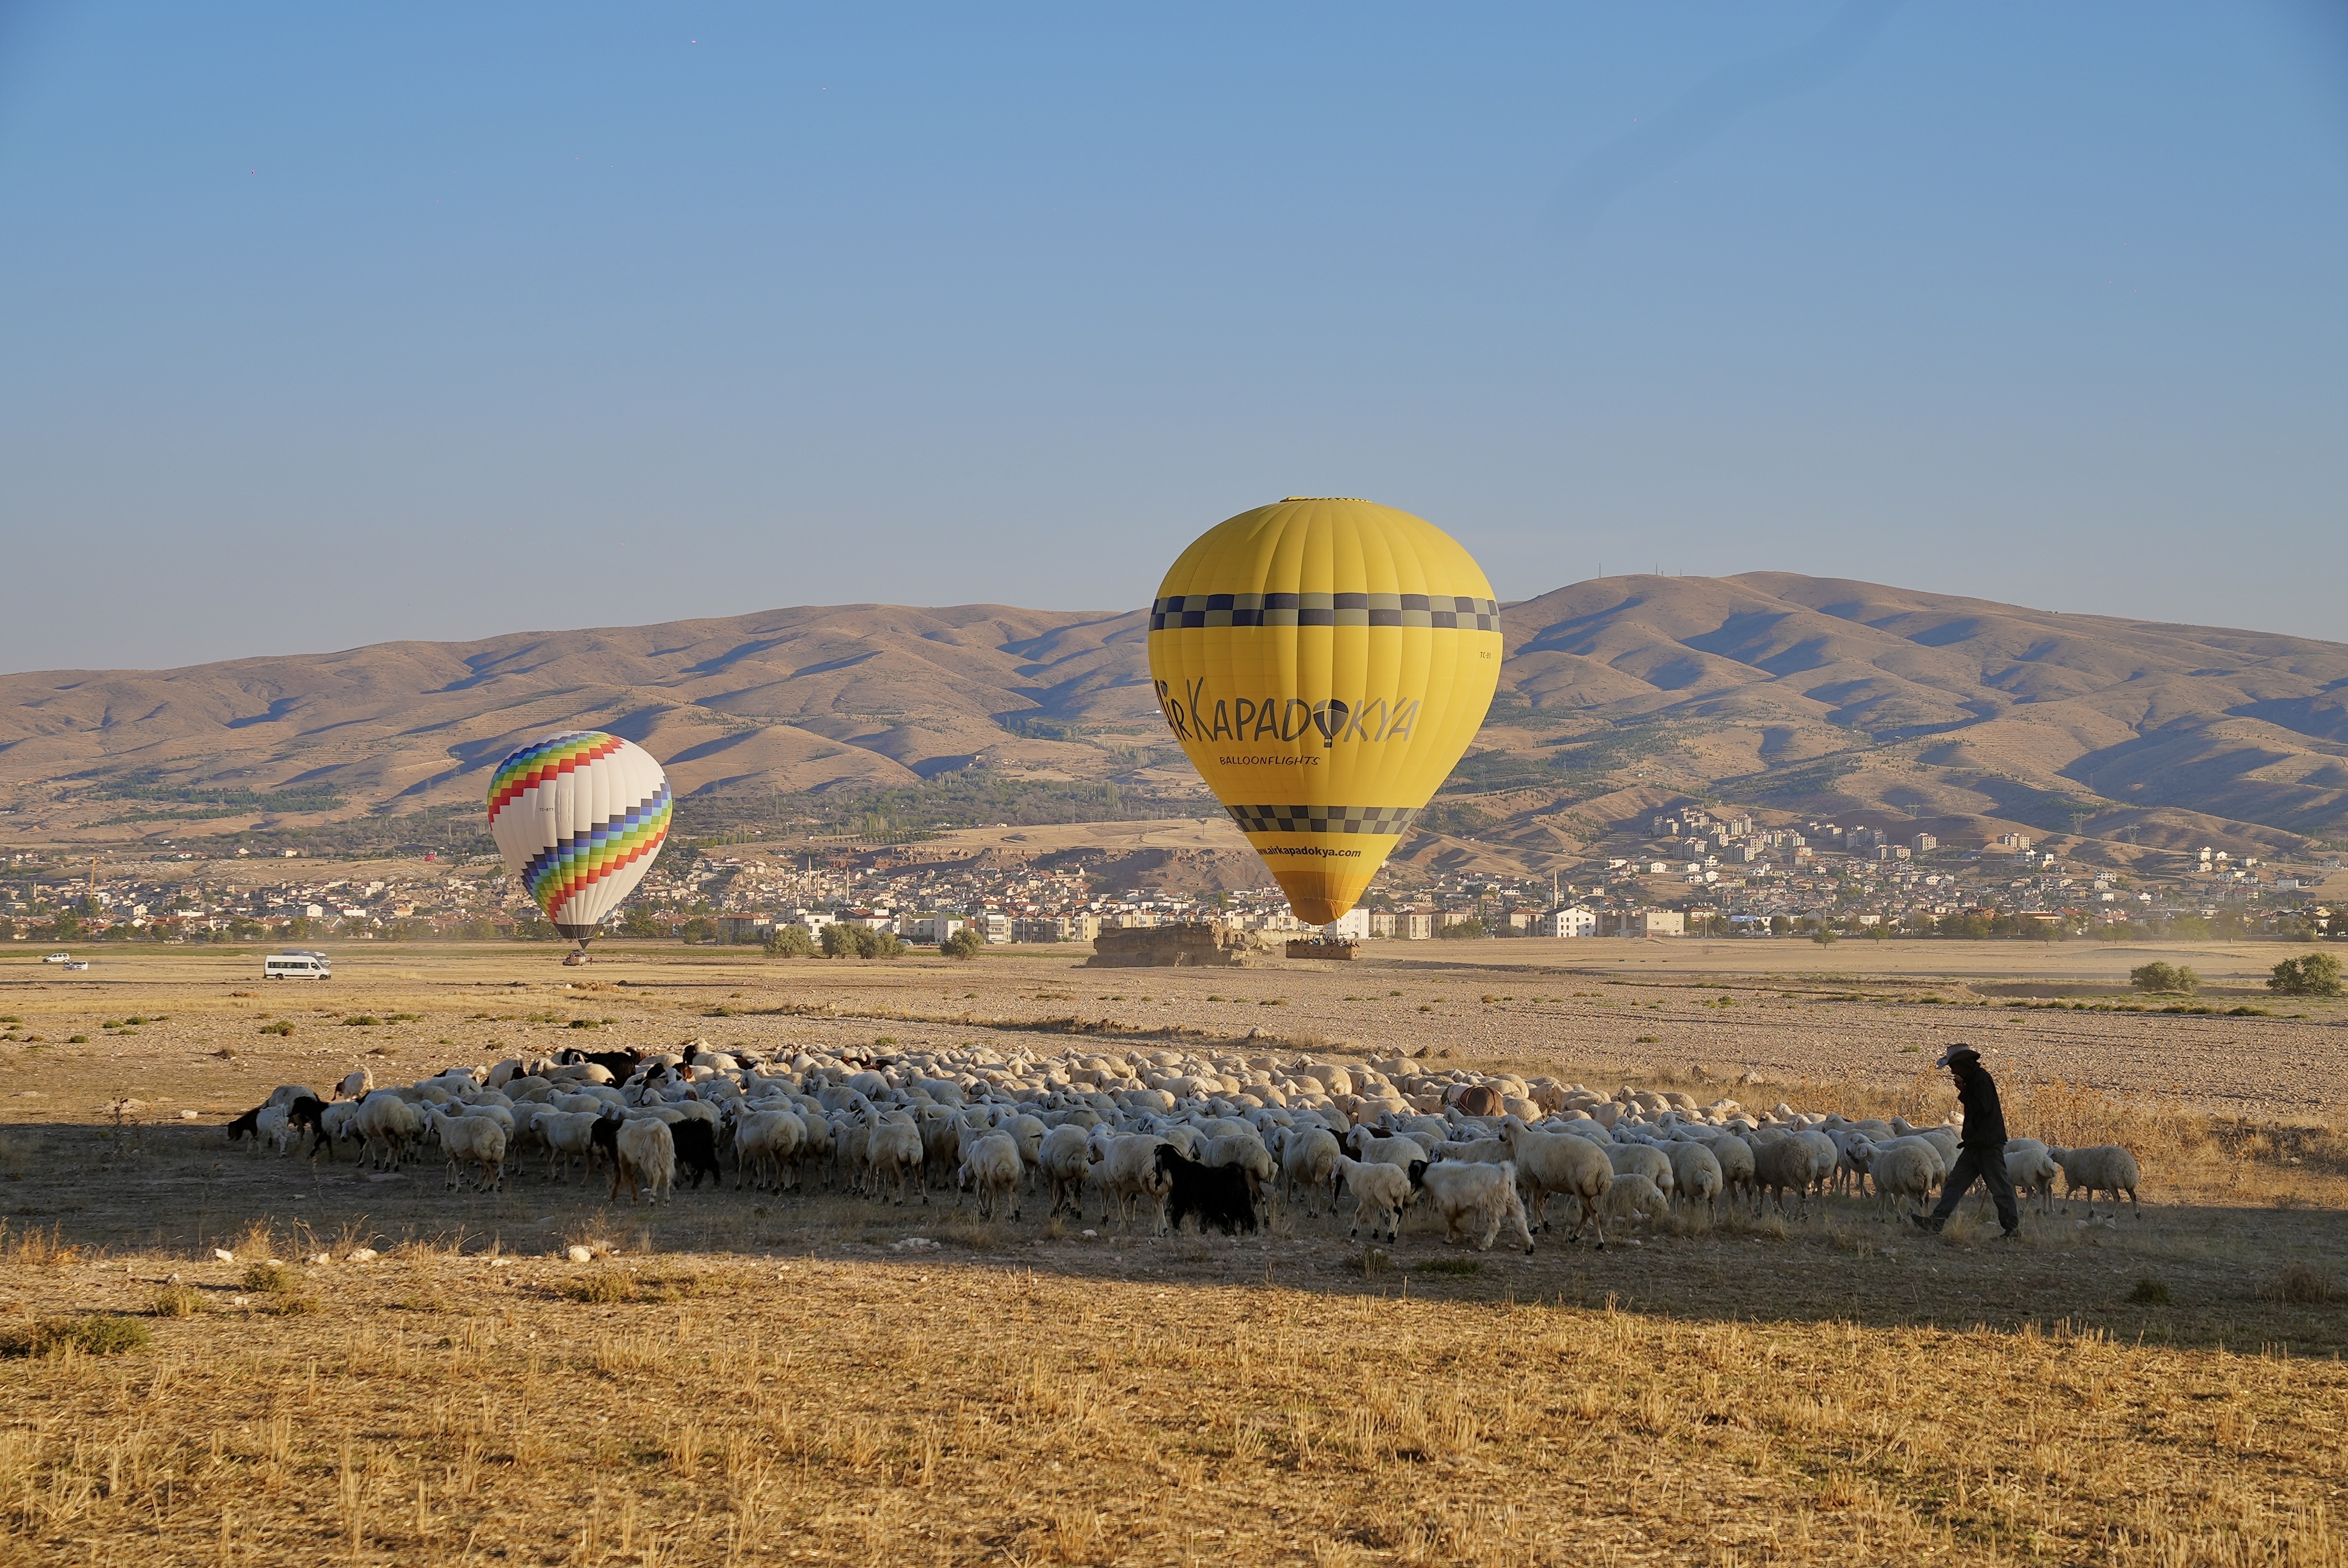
(578, 817)
(1324, 662)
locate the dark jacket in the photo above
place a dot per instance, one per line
(1984, 1117)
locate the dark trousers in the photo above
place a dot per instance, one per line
(1988, 1167)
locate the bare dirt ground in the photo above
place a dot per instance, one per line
(745, 1376)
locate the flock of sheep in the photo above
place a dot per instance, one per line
(1161, 1134)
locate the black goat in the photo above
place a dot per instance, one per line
(305, 1113)
(605, 1135)
(621, 1064)
(697, 1149)
(1218, 1194)
(247, 1126)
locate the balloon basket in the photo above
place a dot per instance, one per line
(573, 959)
(1342, 952)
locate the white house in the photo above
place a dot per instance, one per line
(1572, 921)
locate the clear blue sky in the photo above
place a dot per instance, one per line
(326, 324)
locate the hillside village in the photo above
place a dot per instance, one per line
(1694, 871)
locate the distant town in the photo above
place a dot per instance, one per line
(1695, 873)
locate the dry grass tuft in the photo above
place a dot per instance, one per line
(176, 1301)
(35, 1247)
(605, 1287)
(2304, 1284)
(269, 1278)
(97, 1334)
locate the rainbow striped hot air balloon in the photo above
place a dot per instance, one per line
(578, 817)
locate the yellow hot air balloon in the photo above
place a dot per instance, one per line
(1323, 662)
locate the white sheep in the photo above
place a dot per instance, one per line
(1308, 1159)
(1696, 1175)
(1903, 1168)
(2031, 1170)
(335, 1125)
(474, 1141)
(991, 1164)
(1642, 1160)
(1125, 1169)
(1065, 1156)
(893, 1152)
(1554, 1162)
(390, 1126)
(2105, 1168)
(1369, 1147)
(566, 1134)
(1794, 1164)
(355, 1084)
(768, 1141)
(1380, 1193)
(273, 1127)
(1477, 1195)
(1633, 1198)
(646, 1159)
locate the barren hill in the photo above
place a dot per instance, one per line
(1619, 694)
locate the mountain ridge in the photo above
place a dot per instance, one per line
(1779, 691)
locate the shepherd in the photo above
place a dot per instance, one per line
(1981, 1148)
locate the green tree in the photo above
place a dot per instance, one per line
(2165, 978)
(639, 921)
(843, 940)
(965, 943)
(1466, 931)
(2309, 975)
(1824, 935)
(789, 942)
(700, 928)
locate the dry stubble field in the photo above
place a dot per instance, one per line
(742, 1377)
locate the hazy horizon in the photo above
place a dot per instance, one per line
(336, 328)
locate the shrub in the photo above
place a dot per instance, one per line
(100, 1334)
(2303, 1285)
(2176, 979)
(2150, 1292)
(273, 1278)
(604, 1288)
(965, 943)
(2309, 975)
(175, 1301)
(280, 1026)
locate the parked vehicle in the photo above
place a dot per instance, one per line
(296, 964)
(59, 959)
